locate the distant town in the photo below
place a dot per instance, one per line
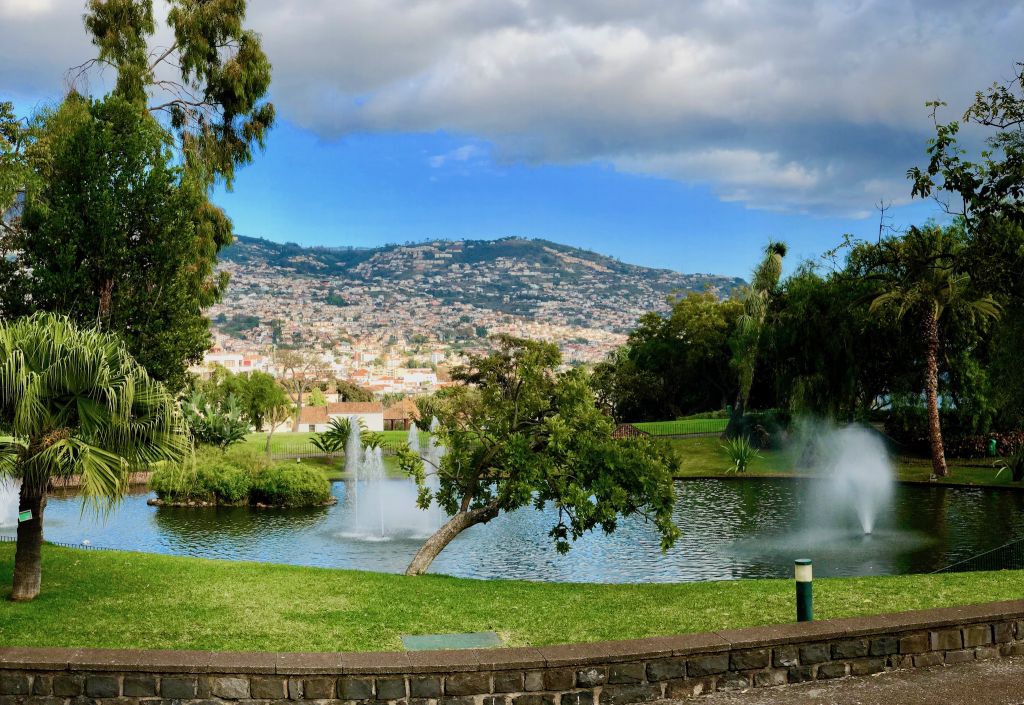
(394, 319)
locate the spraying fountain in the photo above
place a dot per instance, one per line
(414, 437)
(859, 474)
(383, 508)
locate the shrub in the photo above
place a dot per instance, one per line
(976, 446)
(291, 485)
(719, 414)
(210, 476)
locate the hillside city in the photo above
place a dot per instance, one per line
(395, 319)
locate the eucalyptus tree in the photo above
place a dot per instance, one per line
(210, 81)
(919, 276)
(518, 433)
(73, 402)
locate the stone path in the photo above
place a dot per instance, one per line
(996, 682)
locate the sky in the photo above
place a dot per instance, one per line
(667, 133)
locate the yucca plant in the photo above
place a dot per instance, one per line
(75, 402)
(1013, 463)
(741, 452)
(335, 437)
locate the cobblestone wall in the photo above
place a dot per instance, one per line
(612, 673)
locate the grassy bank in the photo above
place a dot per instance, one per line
(110, 599)
(704, 457)
(287, 442)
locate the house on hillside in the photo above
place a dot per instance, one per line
(316, 419)
(400, 415)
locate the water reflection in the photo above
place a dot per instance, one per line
(731, 529)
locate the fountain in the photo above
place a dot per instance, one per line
(414, 437)
(9, 489)
(858, 477)
(383, 508)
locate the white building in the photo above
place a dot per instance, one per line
(316, 419)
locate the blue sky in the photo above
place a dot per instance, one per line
(665, 133)
(367, 190)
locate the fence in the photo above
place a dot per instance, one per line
(1009, 556)
(683, 427)
(285, 449)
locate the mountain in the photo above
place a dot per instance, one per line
(440, 286)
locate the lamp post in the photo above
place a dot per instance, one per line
(804, 590)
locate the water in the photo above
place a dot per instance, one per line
(743, 528)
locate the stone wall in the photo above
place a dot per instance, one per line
(573, 674)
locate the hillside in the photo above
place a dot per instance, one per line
(444, 289)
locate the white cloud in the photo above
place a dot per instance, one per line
(464, 153)
(809, 106)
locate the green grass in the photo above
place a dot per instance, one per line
(705, 457)
(682, 426)
(110, 599)
(283, 442)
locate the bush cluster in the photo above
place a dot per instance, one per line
(976, 446)
(289, 484)
(238, 477)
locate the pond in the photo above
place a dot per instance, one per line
(743, 528)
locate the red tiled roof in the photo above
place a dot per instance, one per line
(355, 407)
(313, 414)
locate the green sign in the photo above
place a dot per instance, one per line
(25, 516)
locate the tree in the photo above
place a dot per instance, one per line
(75, 402)
(517, 433)
(209, 83)
(102, 234)
(750, 325)
(299, 372)
(990, 190)
(826, 355)
(256, 393)
(207, 88)
(275, 416)
(921, 278)
(350, 391)
(672, 365)
(316, 397)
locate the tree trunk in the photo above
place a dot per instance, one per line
(28, 569)
(443, 536)
(298, 410)
(732, 429)
(931, 383)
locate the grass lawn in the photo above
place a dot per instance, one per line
(704, 457)
(668, 428)
(111, 599)
(284, 442)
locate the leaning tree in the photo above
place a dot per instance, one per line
(74, 402)
(520, 433)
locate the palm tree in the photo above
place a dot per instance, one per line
(750, 324)
(74, 402)
(920, 278)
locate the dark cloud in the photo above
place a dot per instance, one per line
(806, 106)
